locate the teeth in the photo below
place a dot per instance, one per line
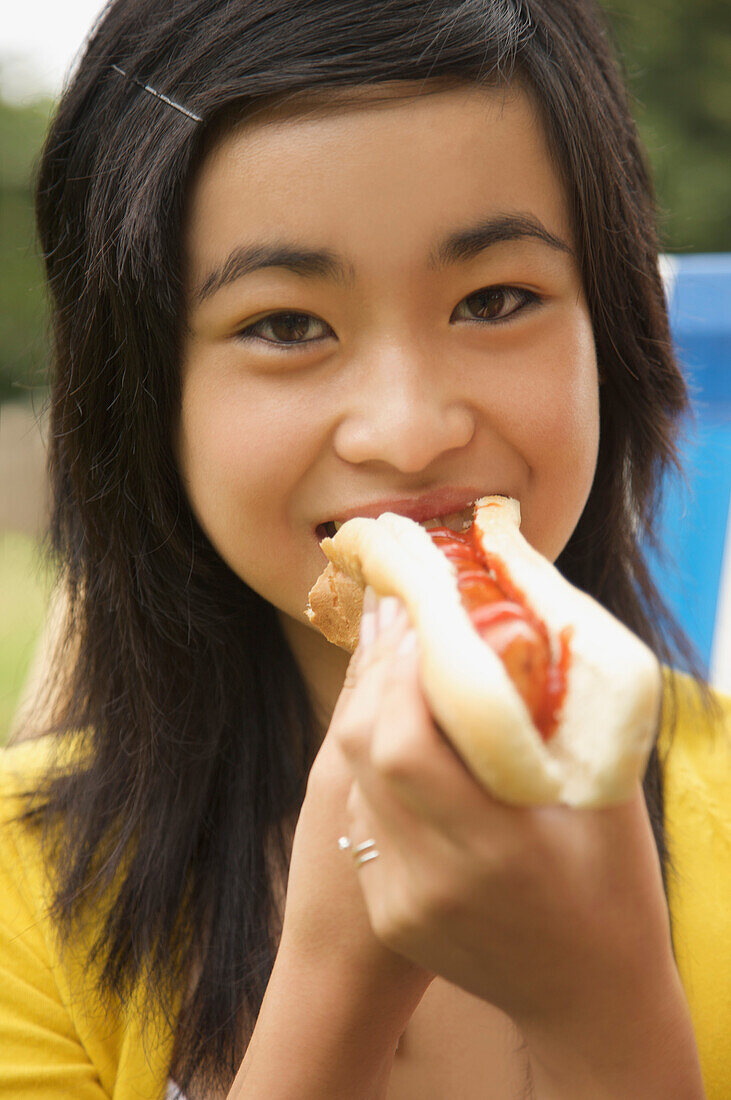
(456, 521)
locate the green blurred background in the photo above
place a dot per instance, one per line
(677, 57)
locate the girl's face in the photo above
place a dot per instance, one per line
(400, 365)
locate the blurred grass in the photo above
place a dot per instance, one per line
(24, 589)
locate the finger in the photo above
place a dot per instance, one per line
(393, 745)
(407, 874)
(385, 879)
(358, 705)
(408, 756)
(363, 825)
(367, 634)
(397, 829)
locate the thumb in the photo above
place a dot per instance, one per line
(358, 657)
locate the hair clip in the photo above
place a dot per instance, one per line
(159, 95)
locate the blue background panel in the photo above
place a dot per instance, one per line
(693, 522)
(694, 532)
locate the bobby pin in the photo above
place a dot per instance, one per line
(159, 95)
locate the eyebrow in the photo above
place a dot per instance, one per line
(323, 263)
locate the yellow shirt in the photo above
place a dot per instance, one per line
(58, 1041)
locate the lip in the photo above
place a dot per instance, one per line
(440, 503)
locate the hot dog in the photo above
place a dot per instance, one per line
(544, 694)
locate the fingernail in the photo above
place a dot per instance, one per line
(368, 629)
(387, 612)
(368, 618)
(408, 643)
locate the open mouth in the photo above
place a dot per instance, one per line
(455, 521)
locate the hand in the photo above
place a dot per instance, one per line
(555, 915)
(326, 925)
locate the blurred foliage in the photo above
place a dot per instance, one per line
(677, 58)
(23, 313)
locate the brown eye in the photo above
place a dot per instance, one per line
(283, 329)
(497, 303)
(289, 327)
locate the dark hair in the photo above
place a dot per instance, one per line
(200, 728)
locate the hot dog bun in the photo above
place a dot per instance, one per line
(608, 716)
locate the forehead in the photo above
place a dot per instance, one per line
(388, 166)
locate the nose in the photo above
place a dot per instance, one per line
(404, 411)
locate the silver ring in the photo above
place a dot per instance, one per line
(362, 853)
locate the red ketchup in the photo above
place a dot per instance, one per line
(504, 620)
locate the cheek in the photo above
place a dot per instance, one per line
(241, 452)
(224, 452)
(554, 403)
(560, 439)
(571, 408)
(566, 426)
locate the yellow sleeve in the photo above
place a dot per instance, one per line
(58, 1039)
(41, 1056)
(697, 789)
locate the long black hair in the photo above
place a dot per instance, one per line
(199, 729)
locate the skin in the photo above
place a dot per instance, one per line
(406, 390)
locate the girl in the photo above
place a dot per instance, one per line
(309, 260)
